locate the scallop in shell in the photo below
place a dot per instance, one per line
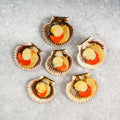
(59, 63)
(36, 88)
(92, 53)
(27, 57)
(76, 90)
(58, 32)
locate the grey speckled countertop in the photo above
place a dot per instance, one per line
(21, 21)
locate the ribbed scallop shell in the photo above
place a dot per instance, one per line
(35, 98)
(77, 99)
(84, 45)
(18, 64)
(46, 30)
(52, 70)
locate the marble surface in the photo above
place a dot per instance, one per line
(21, 21)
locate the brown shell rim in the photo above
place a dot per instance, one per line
(35, 98)
(18, 64)
(52, 43)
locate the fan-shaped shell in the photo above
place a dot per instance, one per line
(57, 21)
(36, 98)
(86, 44)
(16, 51)
(72, 94)
(52, 70)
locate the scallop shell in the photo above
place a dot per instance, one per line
(77, 99)
(34, 97)
(85, 44)
(52, 70)
(18, 64)
(53, 21)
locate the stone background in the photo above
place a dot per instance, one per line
(21, 21)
